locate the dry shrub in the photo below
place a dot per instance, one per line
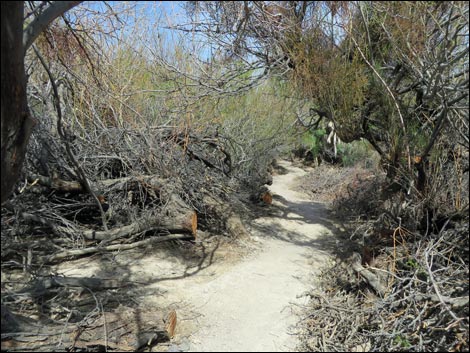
(425, 308)
(418, 246)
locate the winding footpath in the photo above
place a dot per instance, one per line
(231, 300)
(251, 307)
(228, 301)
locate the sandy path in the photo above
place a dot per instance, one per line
(249, 307)
(230, 302)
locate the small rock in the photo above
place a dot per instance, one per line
(184, 346)
(174, 348)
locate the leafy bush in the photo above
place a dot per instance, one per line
(358, 153)
(314, 142)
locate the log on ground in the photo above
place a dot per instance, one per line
(125, 329)
(175, 222)
(125, 183)
(183, 223)
(115, 247)
(232, 221)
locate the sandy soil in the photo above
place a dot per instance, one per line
(235, 298)
(252, 306)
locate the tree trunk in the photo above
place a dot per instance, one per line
(16, 122)
(126, 183)
(125, 329)
(232, 222)
(183, 222)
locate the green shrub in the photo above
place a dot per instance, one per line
(313, 141)
(358, 153)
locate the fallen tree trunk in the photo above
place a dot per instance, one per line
(177, 218)
(116, 184)
(125, 329)
(232, 221)
(183, 223)
(90, 250)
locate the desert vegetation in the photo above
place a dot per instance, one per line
(123, 128)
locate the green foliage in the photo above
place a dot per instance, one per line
(313, 141)
(347, 154)
(402, 341)
(135, 90)
(411, 263)
(334, 82)
(256, 125)
(358, 153)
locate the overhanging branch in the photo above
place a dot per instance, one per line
(56, 9)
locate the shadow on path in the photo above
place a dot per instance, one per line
(303, 223)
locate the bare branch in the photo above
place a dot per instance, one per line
(56, 9)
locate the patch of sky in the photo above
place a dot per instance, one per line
(147, 24)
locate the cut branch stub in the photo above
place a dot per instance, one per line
(183, 221)
(180, 214)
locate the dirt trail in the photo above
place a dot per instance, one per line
(231, 302)
(250, 307)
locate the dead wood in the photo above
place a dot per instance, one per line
(42, 285)
(179, 218)
(370, 277)
(192, 144)
(267, 198)
(231, 219)
(90, 250)
(182, 223)
(126, 183)
(262, 195)
(125, 329)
